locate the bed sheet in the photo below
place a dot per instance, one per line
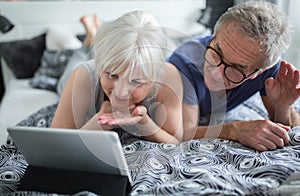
(196, 167)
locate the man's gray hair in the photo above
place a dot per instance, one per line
(263, 21)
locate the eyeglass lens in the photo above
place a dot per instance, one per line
(231, 73)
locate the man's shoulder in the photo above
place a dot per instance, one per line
(192, 51)
(198, 41)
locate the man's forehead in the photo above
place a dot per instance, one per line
(233, 43)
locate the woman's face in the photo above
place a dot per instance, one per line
(127, 88)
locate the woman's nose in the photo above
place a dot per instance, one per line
(122, 89)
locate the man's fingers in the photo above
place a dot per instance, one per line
(260, 148)
(297, 78)
(272, 141)
(281, 131)
(287, 128)
(283, 69)
(270, 137)
(269, 83)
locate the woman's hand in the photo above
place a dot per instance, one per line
(124, 117)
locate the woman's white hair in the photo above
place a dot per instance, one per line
(262, 21)
(134, 39)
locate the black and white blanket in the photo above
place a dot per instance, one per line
(196, 167)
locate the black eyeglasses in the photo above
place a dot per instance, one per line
(234, 75)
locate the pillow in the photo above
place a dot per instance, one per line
(60, 46)
(59, 39)
(23, 56)
(53, 64)
(80, 55)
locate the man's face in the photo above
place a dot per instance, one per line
(237, 52)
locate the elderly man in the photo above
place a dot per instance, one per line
(241, 58)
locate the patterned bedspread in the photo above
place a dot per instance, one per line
(196, 167)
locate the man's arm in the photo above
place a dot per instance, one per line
(261, 135)
(287, 116)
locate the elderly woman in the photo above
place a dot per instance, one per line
(127, 85)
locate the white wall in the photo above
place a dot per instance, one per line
(33, 17)
(293, 53)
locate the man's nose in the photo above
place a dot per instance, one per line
(221, 68)
(218, 72)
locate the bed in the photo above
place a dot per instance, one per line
(196, 167)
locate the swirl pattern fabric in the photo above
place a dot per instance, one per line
(196, 167)
(209, 166)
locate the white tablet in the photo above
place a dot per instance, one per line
(72, 149)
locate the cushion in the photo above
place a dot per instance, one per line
(59, 39)
(60, 46)
(53, 64)
(23, 56)
(80, 55)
